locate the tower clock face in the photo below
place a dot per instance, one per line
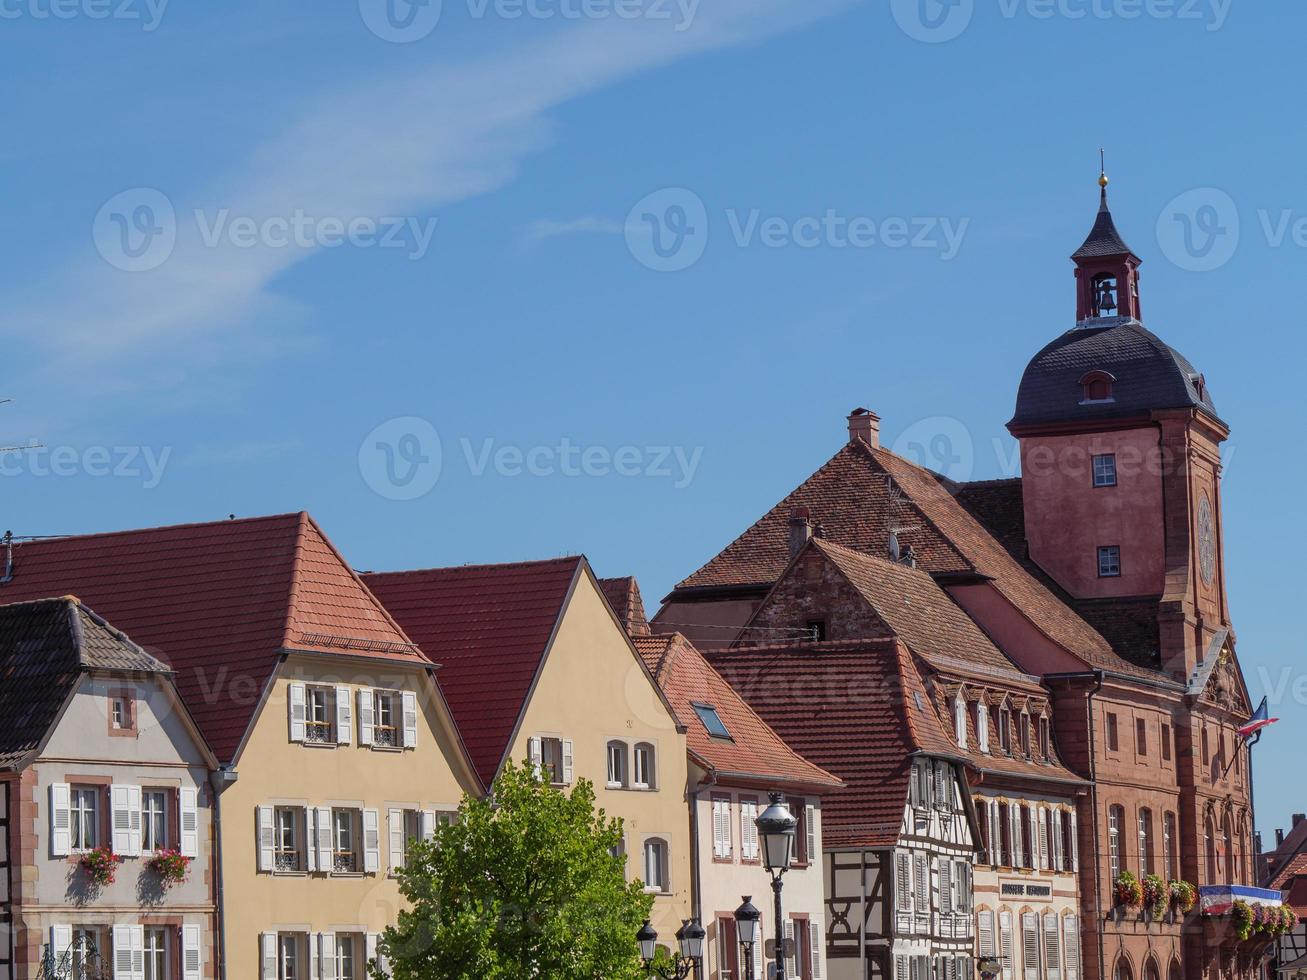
(1206, 541)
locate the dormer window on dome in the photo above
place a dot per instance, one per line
(1097, 387)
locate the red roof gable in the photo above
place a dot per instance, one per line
(754, 750)
(856, 708)
(488, 626)
(218, 602)
(623, 594)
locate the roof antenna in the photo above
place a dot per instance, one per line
(9, 558)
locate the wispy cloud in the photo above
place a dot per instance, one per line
(539, 231)
(406, 145)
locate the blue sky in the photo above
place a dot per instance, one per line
(875, 205)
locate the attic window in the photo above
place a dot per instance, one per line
(711, 720)
(1097, 388)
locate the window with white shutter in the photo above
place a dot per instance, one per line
(409, 701)
(791, 950)
(817, 943)
(813, 852)
(945, 885)
(268, 956)
(344, 717)
(1059, 857)
(188, 821)
(1005, 944)
(1030, 945)
(921, 882)
(397, 835)
(326, 956)
(322, 842)
(61, 839)
(985, 925)
(1071, 930)
(748, 830)
(901, 968)
(902, 883)
(295, 703)
(1075, 844)
(267, 838)
(1052, 951)
(960, 721)
(721, 829)
(120, 809)
(192, 956)
(1015, 827)
(995, 834)
(943, 796)
(366, 709)
(371, 841)
(567, 762)
(1043, 837)
(982, 726)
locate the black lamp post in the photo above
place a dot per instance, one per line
(776, 826)
(689, 957)
(747, 918)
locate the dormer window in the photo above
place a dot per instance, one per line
(1097, 387)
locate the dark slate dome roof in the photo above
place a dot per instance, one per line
(1149, 374)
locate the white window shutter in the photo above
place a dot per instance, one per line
(398, 842)
(120, 824)
(567, 761)
(326, 862)
(985, 921)
(61, 818)
(1030, 945)
(945, 885)
(138, 952)
(810, 825)
(428, 824)
(191, 953)
(122, 953)
(791, 950)
(922, 883)
(409, 701)
(188, 820)
(1015, 828)
(1075, 844)
(370, 950)
(61, 937)
(1059, 859)
(536, 754)
(817, 939)
(1052, 948)
(295, 699)
(371, 841)
(314, 943)
(134, 818)
(1043, 837)
(1005, 944)
(268, 955)
(344, 717)
(327, 954)
(1071, 929)
(267, 836)
(365, 715)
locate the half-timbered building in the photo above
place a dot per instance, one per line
(900, 837)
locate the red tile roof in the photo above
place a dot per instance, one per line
(755, 751)
(217, 602)
(488, 626)
(858, 497)
(623, 594)
(856, 708)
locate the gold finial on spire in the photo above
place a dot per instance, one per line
(1102, 167)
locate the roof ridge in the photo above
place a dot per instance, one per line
(478, 565)
(123, 532)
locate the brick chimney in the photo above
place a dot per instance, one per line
(1279, 837)
(1299, 818)
(800, 529)
(864, 426)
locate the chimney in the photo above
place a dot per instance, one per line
(864, 426)
(1257, 841)
(1299, 818)
(800, 529)
(1279, 837)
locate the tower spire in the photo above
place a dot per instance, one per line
(1106, 268)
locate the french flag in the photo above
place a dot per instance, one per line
(1260, 719)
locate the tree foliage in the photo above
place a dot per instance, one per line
(524, 884)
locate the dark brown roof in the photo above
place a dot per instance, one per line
(45, 647)
(1103, 240)
(488, 626)
(859, 710)
(219, 602)
(754, 750)
(623, 594)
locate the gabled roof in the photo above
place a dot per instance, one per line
(218, 602)
(856, 708)
(623, 594)
(489, 627)
(754, 751)
(860, 496)
(45, 647)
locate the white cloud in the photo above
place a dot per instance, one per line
(539, 231)
(405, 145)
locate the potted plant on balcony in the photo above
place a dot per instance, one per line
(1289, 920)
(1183, 896)
(100, 865)
(1155, 897)
(171, 867)
(1128, 892)
(1242, 915)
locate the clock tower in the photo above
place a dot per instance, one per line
(1120, 459)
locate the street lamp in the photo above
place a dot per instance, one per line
(989, 967)
(776, 826)
(690, 940)
(747, 918)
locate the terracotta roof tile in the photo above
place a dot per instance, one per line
(859, 710)
(623, 594)
(488, 626)
(217, 602)
(754, 749)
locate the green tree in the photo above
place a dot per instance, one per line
(523, 885)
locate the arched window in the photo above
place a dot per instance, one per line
(1145, 841)
(1150, 970)
(1122, 971)
(1227, 850)
(1174, 973)
(646, 769)
(1209, 848)
(617, 764)
(1168, 846)
(1115, 818)
(1206, 756)
(655, 865)
(1097, 386)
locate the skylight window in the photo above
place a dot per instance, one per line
(711, 720)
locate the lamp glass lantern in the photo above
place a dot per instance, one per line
(776, 826)
(747, 917)
(690, 938)
(648, 940)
